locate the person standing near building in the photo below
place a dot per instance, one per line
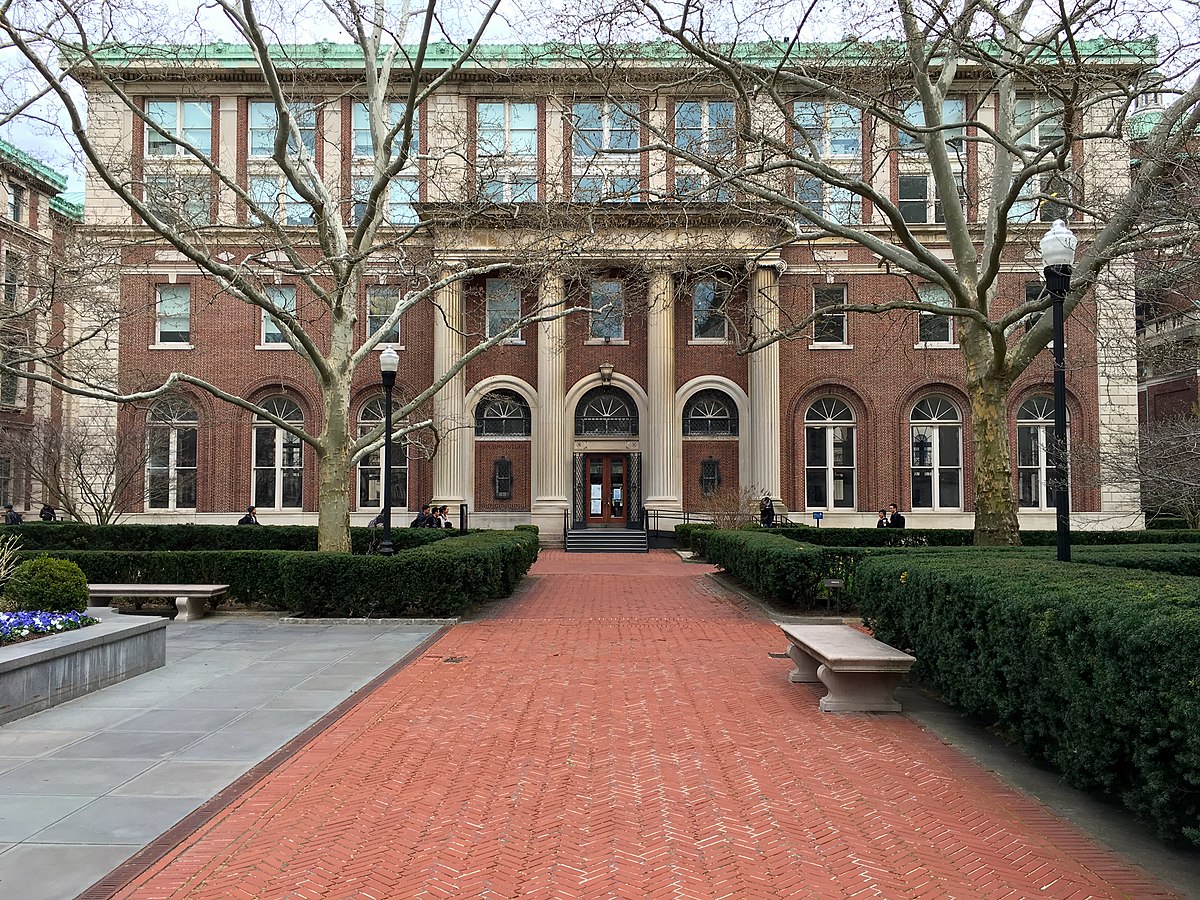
(250, 518)
(48, 514)
(895, 517)
(883, 519)
(11, 516)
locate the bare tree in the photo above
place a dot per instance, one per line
(1165, 460)
(932, 83)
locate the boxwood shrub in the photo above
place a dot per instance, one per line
(693, 536)
(45, 584)
(443, 578)
(1090, 670)
(963, 537)
(773, 566)
(79, 536)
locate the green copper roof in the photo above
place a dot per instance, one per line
(328, 55)
(67, 208)
(34, 167)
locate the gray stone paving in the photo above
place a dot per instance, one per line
(87, 784)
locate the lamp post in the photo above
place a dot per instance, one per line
(389, 361)
(1058, 256)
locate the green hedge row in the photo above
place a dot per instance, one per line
(1090, 670)
(79, 536)
(445, 578)
(770, 565)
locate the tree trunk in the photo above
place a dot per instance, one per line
(995, 504)
(333, 459)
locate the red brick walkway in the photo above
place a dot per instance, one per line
(620, 731)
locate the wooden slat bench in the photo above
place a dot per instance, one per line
(190, 599)
(860, 672)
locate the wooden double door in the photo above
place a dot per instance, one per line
(607, 489)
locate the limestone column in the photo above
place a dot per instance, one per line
(660, 440)
(765, 433)
(450, 484)
(552, 449)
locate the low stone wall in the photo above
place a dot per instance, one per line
(39, 674)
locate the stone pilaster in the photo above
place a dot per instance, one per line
(764, 381)
(553, 455)
(449, 404)
(661, 455)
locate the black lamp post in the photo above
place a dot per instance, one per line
(389, 361)
(1058, 256)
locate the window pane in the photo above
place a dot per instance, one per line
(607, 318)
(402, 195)
(158, 447)
(922, 446)
(688, 125)
(1028, 490)
(185, 452)
(948, 488)
(922, 489)
(292, 489)
(933, 329)
(262, 128)
(1027, 445)
(197, 125)
(503, 302)
(948, 448)
(708, 311)
(381, 303)
(158, 489)
(843, 488)
(264, 446)
(185, 489)
(845, 130)
(264, 488)
(164, 113)
(843, 445)
(814, 444)
(814, 492)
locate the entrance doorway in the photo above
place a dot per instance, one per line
(607, 495)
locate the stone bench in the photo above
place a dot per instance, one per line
(860, 672)
(190, 599)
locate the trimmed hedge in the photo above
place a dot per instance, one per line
(45, 584)
(963, 537)
(79, 536)
(768, 564)
(1091, 670)
(693, 536)
(444, 578)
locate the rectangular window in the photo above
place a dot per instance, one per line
(508, 187)
(829, 328)
(709, 302)
(285, 299)
(502, 479)
(185, 120)
(705, 127)
(14, 271)
(828, 130)
(954, 113)
(607, 311)
(370, 482)
(1039, 122)
(931, 327)
(506, 128)
(939, 214)
(16, 202)
(604, 126)
(700, 186)
(393, 115)
(6, 480)
(10, 389)
(264, 192)
(299, 210)
(503, 301)
(174, 313)
(838, 204)
(264, 120)
(402, 196)
(180, 200)
(913, 199)
(381, 303)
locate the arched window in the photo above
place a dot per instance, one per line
(370, 467)
(936, 461)
(829, 455)
(710, 413)
(502, 413)
(278, 458)
(1035, 462)
(606, 411)
(171, 456)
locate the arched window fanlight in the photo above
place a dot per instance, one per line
(710, 413)
(502, 413)
(606, 411)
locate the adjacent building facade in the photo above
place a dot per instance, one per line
(640, 401)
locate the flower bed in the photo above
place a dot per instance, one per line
(25, 626)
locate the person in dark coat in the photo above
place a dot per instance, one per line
(883, 520)
(250, 518)
(422, 519)
(11, 516)
(896, 519)
(48, 514)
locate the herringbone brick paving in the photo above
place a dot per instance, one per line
(619, 731)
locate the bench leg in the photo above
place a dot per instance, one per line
(189, 608)
(859, 691)
(806, 667)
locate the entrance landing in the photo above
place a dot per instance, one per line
(619, 730)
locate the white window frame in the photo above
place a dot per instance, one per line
(1038, 122)
(274, 194)
(601, 295)
(182, 294)
(402, 194)
(500, 293)
(935, 424)
(158, 147)
(271, 334)
(507, 130)
(931, 293)
(821, 122)
(179, 199)
(361, 144)
(370, 466)
(600, 171)
(13, 391)
(837, 204)
(715, 296)
(828, 414)
(14, 275)
(375, 320)
(954, 116)
(710, 140)
(1041, 427)
(7, 480)
(175, 418)
(17, 204)
(283, 445)
(818, 339)
(260, 138)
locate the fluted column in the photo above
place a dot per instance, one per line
(553, 447)
(764, 381)
(660, 434)
(449, 413)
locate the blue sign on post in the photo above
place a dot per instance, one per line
(818, 516)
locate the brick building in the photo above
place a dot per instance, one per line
(643, 402)
(35, 221)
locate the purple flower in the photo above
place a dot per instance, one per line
(18, 625)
